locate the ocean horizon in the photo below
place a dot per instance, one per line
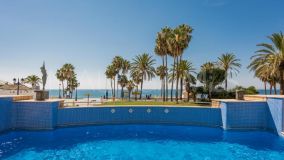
(97, 93)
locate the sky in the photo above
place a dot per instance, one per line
(89, 33)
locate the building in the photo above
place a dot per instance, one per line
(11, 89)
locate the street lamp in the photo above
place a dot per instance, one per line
(18, 83)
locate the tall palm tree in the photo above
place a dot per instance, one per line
(110, 74)
(60, 76)
(271, 54)
(161, 51)
(165, 35)
(136, 77)
(130, 85)
(161, 72)
(230, 64)
(117, 63)
(68, 73)
(178, 42)
(266, 70)
(143, 66)
(185, 68)
(122, 81)
(33, 80)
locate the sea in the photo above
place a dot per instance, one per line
(97, 93)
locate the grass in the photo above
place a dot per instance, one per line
(133, 103)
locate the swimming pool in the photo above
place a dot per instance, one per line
(140, 142)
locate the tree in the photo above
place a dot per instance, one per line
(110, 74)
(66, 74)
(189, 79)
(130, 85)
(178, 41)
(185, 69)
(121, 67)
(117, 63)
(122, 81)
(210, 76)
(60, 76)
(230, 64)
(143, 65)
(161, 71)
(271, 55)
(33, 80)
(136, 77)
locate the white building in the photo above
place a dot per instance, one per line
(11, 89)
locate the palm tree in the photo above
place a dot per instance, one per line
(60, 76)
(185, 69)
(73, 84)
(117, 63)
(130, 85)
(189, 79)
(160, 51)
(136, 77)
(230, 64)
(177, 43)
(33, 80)
(266, 70)
(161, 72)
(143, 65)
(271, 55)
(110, 74)
(122, 81)
(165, 35)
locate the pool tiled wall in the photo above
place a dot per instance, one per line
(275, 110)
(35, 115)
(266, 115)
(244, 115)
(112, 115)
(5, 113)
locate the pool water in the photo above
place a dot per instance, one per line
(141, 142)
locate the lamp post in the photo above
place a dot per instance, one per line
(59, 91)
(18, 83)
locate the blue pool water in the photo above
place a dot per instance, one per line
(141, 142)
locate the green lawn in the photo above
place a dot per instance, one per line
(122, 103)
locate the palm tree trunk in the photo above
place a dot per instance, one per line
(177, 79)
(173, 78)
(114, 87)
(181, 87)
(141, 87)
(188, 92)
(226, 82)
(163, 81)
(121, 93)
(181, 82)
(274, 87)
(270, 90)
(129, 92)
(111, 87)
(161, 88)
(136, 92)
(265, 83)
(166, 78)
(281, 82)
(63, 95)
(117, 87)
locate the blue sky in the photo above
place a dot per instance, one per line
(89, 33)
